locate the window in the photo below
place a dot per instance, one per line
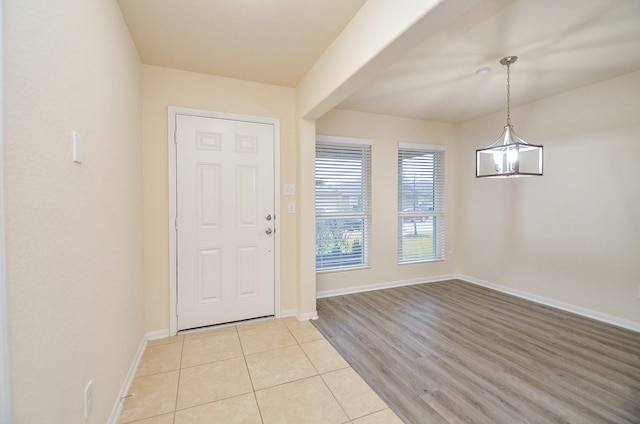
(420, 203)
(343, 211)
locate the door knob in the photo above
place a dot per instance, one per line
(268, 231)
(268, 217)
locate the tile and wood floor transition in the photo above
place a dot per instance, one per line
(454, 352)
(273, 371)
(448, 352)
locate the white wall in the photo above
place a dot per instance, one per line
(377, 35)
(5, 389)
(163, 87)
(572, 235)
(73, 231)
(386, 132)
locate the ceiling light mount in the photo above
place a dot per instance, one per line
(509, 155)
(509, 60)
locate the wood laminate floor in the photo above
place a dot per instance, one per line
(454, 352)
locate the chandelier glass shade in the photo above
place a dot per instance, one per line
(509, 155)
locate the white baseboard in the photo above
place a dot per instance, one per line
(609, 319)
(381, 286)
(307, 316)
(126, 385)
(159, 334)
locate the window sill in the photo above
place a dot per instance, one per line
(420, 261)
(332, 270)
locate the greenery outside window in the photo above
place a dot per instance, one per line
(343, 202)
(420, 203)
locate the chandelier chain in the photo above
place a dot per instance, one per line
(508, 95)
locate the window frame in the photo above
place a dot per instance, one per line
(355, 146)
(433, 216)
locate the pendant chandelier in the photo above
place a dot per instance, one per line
(509, 155)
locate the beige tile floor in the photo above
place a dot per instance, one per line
(274, 371)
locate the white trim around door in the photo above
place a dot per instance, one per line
(173, 287)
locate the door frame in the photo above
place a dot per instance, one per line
(173, 111)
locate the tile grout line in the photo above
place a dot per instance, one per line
(253, 387)
(175, 407)
(288, 382)
(217, 361)
(225, 398)
(303, 336)
(151, 375)
(320, 375)
(341, 369)
(335, 397)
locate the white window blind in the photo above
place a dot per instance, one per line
(343, 204)
(420, 203)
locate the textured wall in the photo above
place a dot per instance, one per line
(74, 231)
(164, 87)
(386, 132)
(572, 235)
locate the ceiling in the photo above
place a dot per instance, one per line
(561, 45)
(269, 41)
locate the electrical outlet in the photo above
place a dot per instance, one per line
(638, 291)
(88, 399)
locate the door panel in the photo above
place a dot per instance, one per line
(247, 196)
(209, 275)
(247, 276)
(208, 192)
(225, 191)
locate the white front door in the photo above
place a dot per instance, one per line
(225, 220)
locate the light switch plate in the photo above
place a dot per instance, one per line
(289, 190)
(77, 147)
